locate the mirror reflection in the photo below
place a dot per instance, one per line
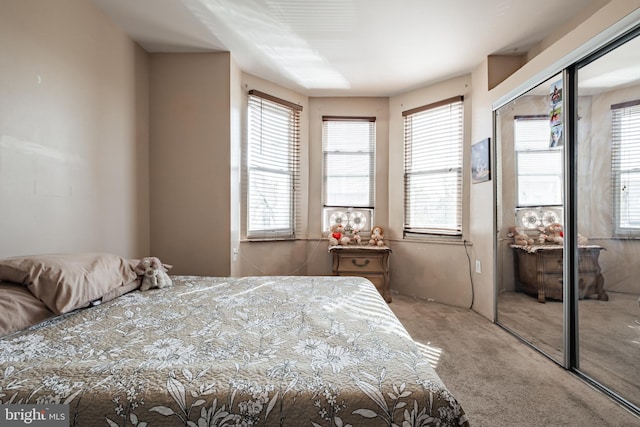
(608, 183)
(530, 151)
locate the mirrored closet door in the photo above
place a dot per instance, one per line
(568, 218)
(608, 216)
(530, 148)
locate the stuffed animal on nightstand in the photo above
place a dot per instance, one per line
(582, 241)
(154, 273)
(337, 236)
(554, 233)
(377, 236)
(520, 238)
(542, 237)
(356, 236)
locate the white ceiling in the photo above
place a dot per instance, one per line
(346, 47)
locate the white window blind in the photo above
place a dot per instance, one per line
(273, 166)
(625, 165)
(433, 168)
(538, 167)
(348, 161)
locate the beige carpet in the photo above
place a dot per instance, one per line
(499, 380)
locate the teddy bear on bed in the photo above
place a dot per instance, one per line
(154, 273)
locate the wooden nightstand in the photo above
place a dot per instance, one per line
(371, 262)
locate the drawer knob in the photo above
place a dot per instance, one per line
(355, 262)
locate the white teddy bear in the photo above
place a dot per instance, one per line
(337, 236)
(154, 274)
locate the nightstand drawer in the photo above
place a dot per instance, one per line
(360, 263)
(552, 262)
(364, 261)
(588, 263)
(552, 284)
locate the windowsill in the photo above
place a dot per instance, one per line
(423, 240)
(271, 239)
(433, 240)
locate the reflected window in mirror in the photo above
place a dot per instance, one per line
(538, 173)
(625, 165)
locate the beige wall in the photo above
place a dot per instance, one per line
(482, 200)
(190, 155)
(434, 269)
(73, 132)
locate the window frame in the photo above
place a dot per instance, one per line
(411, 229)
(341, 156)
(288, 161)
(617, 154)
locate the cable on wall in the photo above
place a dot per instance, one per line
(470, 273)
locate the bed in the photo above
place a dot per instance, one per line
(213, 351)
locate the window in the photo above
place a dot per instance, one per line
(348, 151)
(625, 165)
(273, 167)
(539, 168)
(433, 168)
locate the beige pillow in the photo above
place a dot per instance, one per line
(19, 309)
(64, 282)
(121, 290)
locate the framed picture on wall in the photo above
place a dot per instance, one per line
(481, 161)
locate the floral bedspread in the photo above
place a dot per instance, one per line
(281, 351)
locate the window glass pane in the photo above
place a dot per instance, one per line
(630, 200)
(347, 191)
(433, 203)
(539, 178)
(625, 159)
(539, 168)
(348, 161)
(269, 201)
